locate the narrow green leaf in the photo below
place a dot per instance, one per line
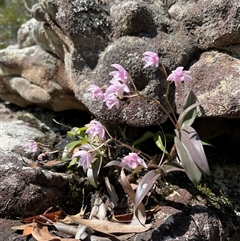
(70, 146)
(145, 136)
(170, 137)
(77, 132)
(205, 143)
(189, 165)
(73, 162)
(191, 115)
(172, 167)
(158, 140)
(145, 185)
(185, 112)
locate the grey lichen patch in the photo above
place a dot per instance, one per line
(28, 91)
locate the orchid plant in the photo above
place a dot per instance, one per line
(187, 153)
(89, 151)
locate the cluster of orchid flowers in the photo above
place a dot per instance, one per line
(95, 128)
(111, 96)
(118, 84)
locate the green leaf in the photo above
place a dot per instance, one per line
(77, 132)
(73, 162)
(172, 167)
(170, 137)
(70, 146)
(158, 140)
(145, 136)
(145, 185)
(205, 143)
(191, 141)
(189, 165)
(185, 112)
(191, 115)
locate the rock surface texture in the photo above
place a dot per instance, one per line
(71, 44)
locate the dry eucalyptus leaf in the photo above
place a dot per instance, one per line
(52, 216)
(112, 192)
(40, 232)
(108, 227)
(65, 228)
(98, 210)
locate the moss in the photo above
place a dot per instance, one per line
(217, 200)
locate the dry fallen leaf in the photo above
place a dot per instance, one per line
(108, 227)
(127, 217)
(52, 216)
(41, 233)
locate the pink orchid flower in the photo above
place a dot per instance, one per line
(150, 58)
(32, 145)
(179, 75)
(95, 128)
(111, 100)
(132, 160)
(96, 91)
(117, 88)
(120, 74)
(85, 159)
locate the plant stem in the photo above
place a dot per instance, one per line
(128, 146)
(155, 101)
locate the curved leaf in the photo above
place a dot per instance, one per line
(77, 132)
(114, 163)
(185, 112)
(145, 136)
(73, 162)
(172, 167)
(191, 141)
(70, 146)
(93, 171)
(189, 165)
(158, 140)
(191, 115)
(145, 185)
(139, 213)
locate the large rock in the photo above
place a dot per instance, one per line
(24, 189)
(33, 76)
(81, 39)
(216, 79)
